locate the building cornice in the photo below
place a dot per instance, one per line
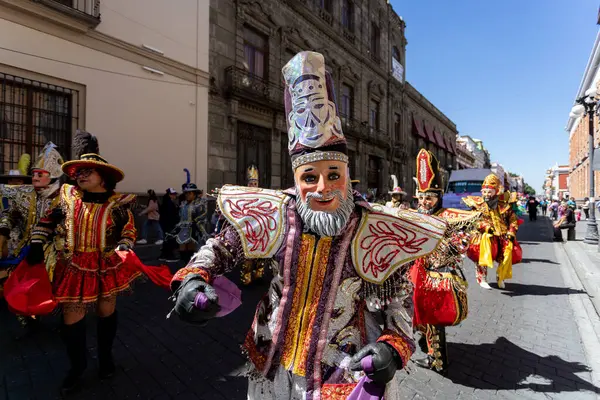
(588, 78)
(52, 22)
(418, 98)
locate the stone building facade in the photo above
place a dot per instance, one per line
(250, 41)
(428, 128)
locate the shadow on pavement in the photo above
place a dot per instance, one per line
(537, 260)
(519, 289)
(505, 366)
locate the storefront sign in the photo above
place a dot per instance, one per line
(397, 70)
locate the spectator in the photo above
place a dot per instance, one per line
(169, 217)
(586, 207)
(532, 205)
(153, 219)
(544, 206)
(565, 222)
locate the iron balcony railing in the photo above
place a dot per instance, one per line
(87, 10)
(242, 83)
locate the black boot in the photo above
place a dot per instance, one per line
(74, 338)
(107, 329)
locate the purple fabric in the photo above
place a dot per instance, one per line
(366, 389)
(201, 301)
(367, 364)
(230, 296)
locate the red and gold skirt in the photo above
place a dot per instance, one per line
(87, 277)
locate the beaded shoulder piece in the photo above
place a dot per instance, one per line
(388, 238)
(259, 217)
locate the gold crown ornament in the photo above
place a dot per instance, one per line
(491, 182)
(252, 173)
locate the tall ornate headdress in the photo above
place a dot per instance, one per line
(314, 128)
(252, 173)
(50, 161)
(492, 182)
(429, 179)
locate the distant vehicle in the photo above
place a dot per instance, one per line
(463, 183)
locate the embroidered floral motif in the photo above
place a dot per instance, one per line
(399, 343)
(337, 391)
(258, 218)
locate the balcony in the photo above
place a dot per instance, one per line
(348, 35)
(325, 15)
(379, 137)
(87, 11)
(243, 84)
(353, 128)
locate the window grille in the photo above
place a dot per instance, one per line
(33, 113)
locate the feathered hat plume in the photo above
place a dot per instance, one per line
(23, 164)
(84, 143)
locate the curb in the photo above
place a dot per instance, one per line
(587, 271)
(585, 311)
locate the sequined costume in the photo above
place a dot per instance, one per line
(91, 225)
(435, 275)
(192, 217)
(496, 239)
(28, 205)
(327, 291)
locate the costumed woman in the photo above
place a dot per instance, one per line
(189, 231)
(95, 222)
(440, 291)
(252, 270)
(397, 195)
(27, 205)
(10, 184)
(337, 264)
(497, 236)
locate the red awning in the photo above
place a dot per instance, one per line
(451, 146)
(439, 139)
(418, 128)
(430, 134)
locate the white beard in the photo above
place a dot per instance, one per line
(325, 223)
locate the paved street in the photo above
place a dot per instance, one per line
(521, 342)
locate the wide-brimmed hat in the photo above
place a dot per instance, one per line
(191, 187)
(15, 174)
(92, 161)
(397, 190)
(87, 155)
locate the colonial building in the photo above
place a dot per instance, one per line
(556, 184)
(464, 158)
(476, 147)
(123, 70)
(364, 47)
(430, 129)
(579, 135)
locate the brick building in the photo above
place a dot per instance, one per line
(579, 137)
(364, 47)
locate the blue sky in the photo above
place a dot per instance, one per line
(505, 72)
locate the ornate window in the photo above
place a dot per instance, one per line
(256, 52)
(374, 114)
(347, 103)
(254, 148)
(348, 15)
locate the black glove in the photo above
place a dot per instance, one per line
(385, 361)
(35, 254)
(185, 298)
(123, 247)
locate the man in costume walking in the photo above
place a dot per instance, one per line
(337, 264)
(190, 230)
(440, 292)
(496, 239)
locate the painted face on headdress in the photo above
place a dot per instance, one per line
(312, 115)
(40, 179)
(428, 202)
(488, 193)
(322, 185)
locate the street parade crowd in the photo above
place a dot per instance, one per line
(357, 289)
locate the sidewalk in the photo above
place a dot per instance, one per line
(586, 261)
(532, 340)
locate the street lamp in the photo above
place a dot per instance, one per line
(586, 105)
